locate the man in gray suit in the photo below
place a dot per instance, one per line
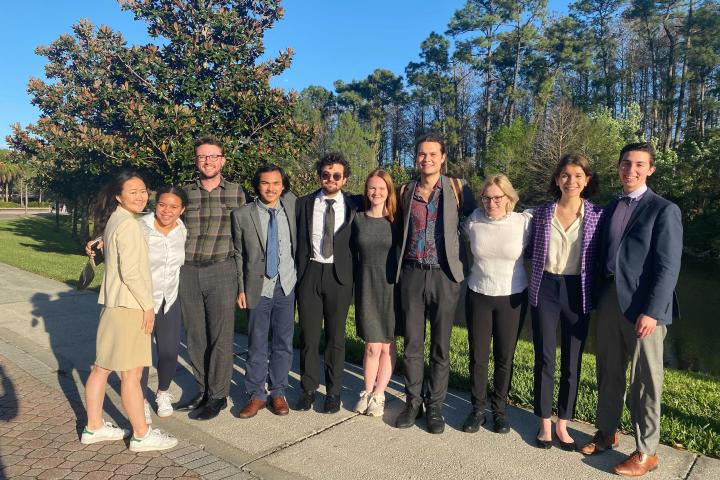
(264, 234)
(640, 258)
(430, 274)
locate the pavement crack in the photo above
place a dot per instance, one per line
(287, 445)
(689, 472)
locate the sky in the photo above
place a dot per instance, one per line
(332, 40)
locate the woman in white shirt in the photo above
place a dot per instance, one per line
(496, 297)
(165, 234)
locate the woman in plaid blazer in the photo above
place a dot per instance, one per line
(564, 251)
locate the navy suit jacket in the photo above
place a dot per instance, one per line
(648, 259)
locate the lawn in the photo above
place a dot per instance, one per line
(690, 403)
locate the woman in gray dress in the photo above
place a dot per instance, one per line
(374, 243)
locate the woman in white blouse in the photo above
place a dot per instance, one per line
(165, 235)
(496, 297)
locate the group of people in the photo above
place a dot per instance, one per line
(400, 254)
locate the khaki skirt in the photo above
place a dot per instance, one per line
(121, 344)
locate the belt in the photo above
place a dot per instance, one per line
(420, 266)
(205, 263)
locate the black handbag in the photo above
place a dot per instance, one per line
(88, 272)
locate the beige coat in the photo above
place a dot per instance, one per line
(127, 281)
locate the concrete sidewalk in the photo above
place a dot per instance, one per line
(48, 330)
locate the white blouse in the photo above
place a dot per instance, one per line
(497, 247)
(565, 246)
(167, 255)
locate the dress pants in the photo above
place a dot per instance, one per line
(499, 318)
(167, 341)
(270, 360)
(616, 346)
(322, 297)
(427, 294)
(559, 300)
(207, 296)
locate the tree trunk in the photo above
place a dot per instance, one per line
(683, 77)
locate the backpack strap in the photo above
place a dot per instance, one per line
(457, 191)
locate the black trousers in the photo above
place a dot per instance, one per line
(167, 342)
(559, 300)
(322, 297)
(432, 295)
(499, 318)
(207, 296)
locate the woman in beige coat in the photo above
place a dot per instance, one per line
(128, 316)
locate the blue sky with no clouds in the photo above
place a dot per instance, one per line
(340, 39)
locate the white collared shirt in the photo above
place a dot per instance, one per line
(319, 222)
(167, 255)
(564, 255)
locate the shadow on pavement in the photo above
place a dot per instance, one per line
(8, 405)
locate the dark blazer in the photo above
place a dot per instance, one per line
(456, 256)
(540, 240)
(648, 259)
(249, 242)
(343, 265)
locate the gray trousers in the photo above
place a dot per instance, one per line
(207, 296)
(616, 346)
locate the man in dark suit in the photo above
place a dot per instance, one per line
(430, 274)
(264, 235)
(325, 279)
(642, 246)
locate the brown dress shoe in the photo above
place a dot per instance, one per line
(251, 408)
(637, 465)
(599, 443)
(279, 405)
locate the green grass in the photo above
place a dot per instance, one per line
(690, 402)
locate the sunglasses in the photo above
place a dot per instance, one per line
(335, 176)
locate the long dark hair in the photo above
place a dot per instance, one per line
(578, 160)
(107, 203)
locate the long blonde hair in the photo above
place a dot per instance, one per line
(391, 200)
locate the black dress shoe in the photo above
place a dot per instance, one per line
(211, 409)
(500, 424)
(567, 446)
(474, 421)
(434, 419)
(544, 444)
(192, 404)
(305, 402)
(332, 403)
(407, 417)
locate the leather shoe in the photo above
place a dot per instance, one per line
(407, 417)
(434, 419)
(599, 443)
(637, 465)
(474, 421)
(251, 408)
(305, 402)
(279, 405)
(540, 443)
(500, 424)
(210, 410)
(332, 403)
(192, 404)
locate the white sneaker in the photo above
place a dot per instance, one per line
(376, 407)
(148, 412)
(154, 439)
(164, 403)
(107, 432)
(362, 404)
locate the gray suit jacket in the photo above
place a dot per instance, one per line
(456, 256)
(250, 246)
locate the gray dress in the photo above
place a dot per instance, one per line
(374, 242)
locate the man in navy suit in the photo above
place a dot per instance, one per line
(640, 261)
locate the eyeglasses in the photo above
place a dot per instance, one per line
(209, 158)
(494, 200)
(335, 176)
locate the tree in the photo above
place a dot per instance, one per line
(351, 140)
(106, 104)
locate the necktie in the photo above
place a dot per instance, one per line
(328, 229)
(271, 246)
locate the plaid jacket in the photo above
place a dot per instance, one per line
(590, 252)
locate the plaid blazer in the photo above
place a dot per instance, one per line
(590, 252)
